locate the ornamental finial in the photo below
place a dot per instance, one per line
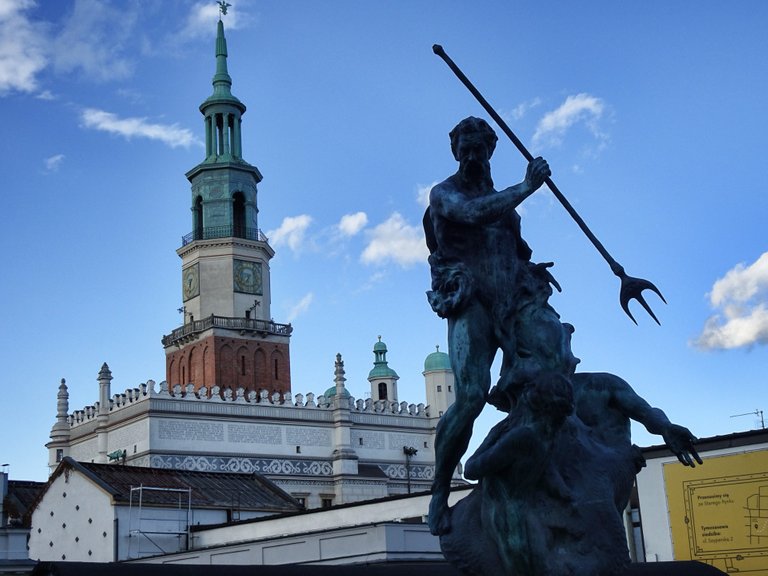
(223, 8)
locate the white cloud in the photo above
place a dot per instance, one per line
(422, 194)
(581, 108)
(397, 241)
(53, 163)
(300, 307)
(22, 48)
(740, 300)
(202, 18)
(522, 109)
(291, 232)
(98, 39)
(351, 224)
(169, 134)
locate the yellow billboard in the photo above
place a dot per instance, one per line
(718, 512)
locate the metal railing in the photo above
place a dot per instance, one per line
(212, 232)
(249, 324)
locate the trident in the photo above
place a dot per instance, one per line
(631, 288)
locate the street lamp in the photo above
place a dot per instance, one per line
(409, 452)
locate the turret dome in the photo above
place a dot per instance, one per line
(437, 361)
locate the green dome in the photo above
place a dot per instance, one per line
(331, 392)
(437, 361)
(380, 367)
(381, 370)
(379, 346)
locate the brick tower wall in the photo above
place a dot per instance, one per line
(231, 362)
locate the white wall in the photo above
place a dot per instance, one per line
(74, 521)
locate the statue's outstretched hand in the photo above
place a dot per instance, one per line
(680, 440)
(538, 171)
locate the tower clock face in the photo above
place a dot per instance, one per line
(191, 282)
(247, 277)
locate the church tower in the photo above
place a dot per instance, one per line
(228, 337)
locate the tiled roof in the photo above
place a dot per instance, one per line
(21, 496)
(209, 489)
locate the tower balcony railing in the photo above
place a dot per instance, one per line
(265, 327)
(213, 232)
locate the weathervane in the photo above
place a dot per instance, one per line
(223, 8)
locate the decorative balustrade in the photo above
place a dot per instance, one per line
(249, 324)
(213, 232)
(248, 397)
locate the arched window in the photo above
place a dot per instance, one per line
(198, 219)
(382, 391)
(238, 215)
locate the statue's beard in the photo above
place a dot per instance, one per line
(476, 172)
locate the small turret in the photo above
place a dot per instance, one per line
(382, 378)
(439, 382)
(338, 392)
(102, 415)
(58, 447)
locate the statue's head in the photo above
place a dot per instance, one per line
(475, 129)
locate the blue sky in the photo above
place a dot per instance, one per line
(652, 116)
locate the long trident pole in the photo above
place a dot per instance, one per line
(631, 288)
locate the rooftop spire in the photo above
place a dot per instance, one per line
(222, 81)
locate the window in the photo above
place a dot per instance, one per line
(198, 217)
(439, 388)
(276, 372)
(238, 215)
(59, 454)
(449, 388)
(326, 502)
(382, 390)
(242, 365)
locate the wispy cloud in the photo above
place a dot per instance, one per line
(394, 240)
(300, 307)
(351, 224)
(97, 39)
(169, 134)
(740, 301)
(202, 17)
(53, 163)
(22, 48)
(578, 109)
(422, 194)
(291, 232)
(522, 109)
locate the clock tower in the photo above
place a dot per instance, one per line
(228, 337)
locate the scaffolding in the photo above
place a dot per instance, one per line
(165, 529)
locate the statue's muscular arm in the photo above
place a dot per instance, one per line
(450, 202)
(678, 438)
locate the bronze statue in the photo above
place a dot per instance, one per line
(493, 296)
(556, 474)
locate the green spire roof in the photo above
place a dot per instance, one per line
(437, 361)
(380, 367)
(222, 81)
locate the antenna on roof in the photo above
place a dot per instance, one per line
(757, 412)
